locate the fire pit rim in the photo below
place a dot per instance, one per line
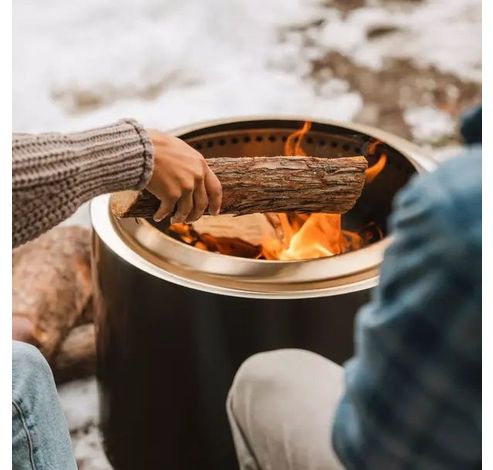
(142, 236)
(421, 158)
(277, 281)
(375, 246)
(105, 230)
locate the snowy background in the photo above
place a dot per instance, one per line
(408, 66)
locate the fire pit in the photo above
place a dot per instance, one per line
(179, 308)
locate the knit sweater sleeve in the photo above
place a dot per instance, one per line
(53, 174)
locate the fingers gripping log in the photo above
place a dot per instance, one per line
(270, 184)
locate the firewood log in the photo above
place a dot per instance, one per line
(270, 184)
(51, 286)
(87, 315)
(76, 357)
(251, 228)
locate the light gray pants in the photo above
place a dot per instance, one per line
(280, 408)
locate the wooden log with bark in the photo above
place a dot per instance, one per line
(270, 184)
(76, 357)
(51, 287)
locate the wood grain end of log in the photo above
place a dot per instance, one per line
(76, 357)
(121, 201)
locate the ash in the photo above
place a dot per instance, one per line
(410, 67)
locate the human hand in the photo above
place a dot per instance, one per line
(181, 180)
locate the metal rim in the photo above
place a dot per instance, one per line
(105, 231)
(148, 241)
(214, 272)
(422, 159)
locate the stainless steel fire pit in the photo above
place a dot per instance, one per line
(174, 322)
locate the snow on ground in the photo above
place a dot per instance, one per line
(169, 62)
(165, 63)
(72, 395)
(445, 34)
(429, 124)
(84, 63)
(79, 400)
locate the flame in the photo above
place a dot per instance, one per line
(293, 143)
(308, 236)
(320, 235)
(304, 236)
(373, 171)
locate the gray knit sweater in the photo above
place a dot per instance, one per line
(53, 174)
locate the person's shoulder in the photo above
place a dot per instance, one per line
(449, 197)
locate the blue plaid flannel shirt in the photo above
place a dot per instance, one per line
(413, 389)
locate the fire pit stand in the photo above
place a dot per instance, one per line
(174, 322)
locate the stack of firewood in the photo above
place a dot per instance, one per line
(52, 300)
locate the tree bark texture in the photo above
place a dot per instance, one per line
(270, 184)
(51, 287)
(76, 357)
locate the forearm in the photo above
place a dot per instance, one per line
(53, 174)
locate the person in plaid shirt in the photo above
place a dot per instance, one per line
(411, 396)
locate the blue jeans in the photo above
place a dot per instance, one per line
(40, 437)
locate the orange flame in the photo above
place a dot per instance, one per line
(293, 143)
(373, 171)
(308, 236)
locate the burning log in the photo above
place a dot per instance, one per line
(270, 184)
(252, 228)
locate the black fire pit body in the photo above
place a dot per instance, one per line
(167, 358)
(174, 323)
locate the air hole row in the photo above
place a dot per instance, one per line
(271, 138)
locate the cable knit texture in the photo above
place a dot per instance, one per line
(53, 174)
